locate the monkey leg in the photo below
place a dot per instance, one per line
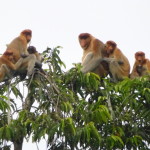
(134, 74)
(31, 63)
(4, 71)
(19, 63)
(90, 63)
(116, 71)
(25, 66)
(101, 71)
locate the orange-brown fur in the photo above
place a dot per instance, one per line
(6, 64)
(7, 59)
(119, 66)
(19, 45)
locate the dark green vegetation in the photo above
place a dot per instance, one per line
(75, 111)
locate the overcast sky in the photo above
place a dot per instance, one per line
(59, 22)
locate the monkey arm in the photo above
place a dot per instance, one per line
(24, 55)
(39, 60)
(119, 57)
(38, 64)
(88, 57)
(90, 63)
(109, 60)
(134, 72)
(4, 71)
(120, 62)
(39, 57)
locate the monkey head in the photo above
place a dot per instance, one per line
(110, 46)
(9, 55)
(31, 50)
(28, 34)
(84, 40)
(140, 57)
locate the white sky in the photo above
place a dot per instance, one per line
(59, 22)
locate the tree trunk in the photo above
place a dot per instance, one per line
(18, 144)
(28, 101)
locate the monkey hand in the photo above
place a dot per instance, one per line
(120, 62)
(108, 60)
(105, 65)
(24, 55)
(104, 60)
(38, 65)
(139, 69)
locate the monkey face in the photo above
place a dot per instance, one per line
(28, 37)
(31, 50)
(84, 40)
(84, 43)
(109, 49)
(9, 55)
(140, 57)
(11, 58)
(28, 34)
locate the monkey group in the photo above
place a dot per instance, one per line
(107, 59)
(18, 58)
(101, 58)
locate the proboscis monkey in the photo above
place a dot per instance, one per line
(22, 71)
(32, 50)
(119, 67)
(21, 58)
(141, 66)
(19, 45)
(6, 65)
(39, 58)
(93, 51)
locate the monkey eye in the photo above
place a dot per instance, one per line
(140, 55)
(28, 33)
(83, 37)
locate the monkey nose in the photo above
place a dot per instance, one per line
(140, 61)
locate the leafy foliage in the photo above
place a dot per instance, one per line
(76, 111)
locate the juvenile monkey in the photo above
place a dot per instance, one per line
(93, 52)
(119, 67)
(6, 65)
(32, 50)
(39, 58)
(22, 71)
(141, 66)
